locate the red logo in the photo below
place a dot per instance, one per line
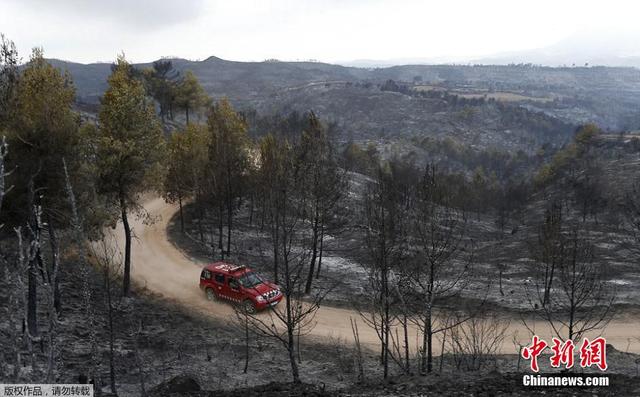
(594, 353)
(591, 353)
(532, 352)
(562, 353)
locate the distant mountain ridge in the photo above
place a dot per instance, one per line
(472, 103)
(237, 80)
(245, 82)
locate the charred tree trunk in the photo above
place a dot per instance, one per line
(292, 358)
(291, 347)
(426, 364)
(405, 330)
(429, 344)
(32, 299)
(200, 220)
(229, 202)
(387, 322)
(246, 343)
(321, 249)
(126, 278)
(181, 214)
(220, 232)
(251, 205)
(3, 154)
(32, 278)
(547, 289)
(276, 237)
(112, 369)
(500, 280)
(314, 253)
(55, 263)
(229, 224)
(444, 339)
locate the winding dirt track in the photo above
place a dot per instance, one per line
(162, 268)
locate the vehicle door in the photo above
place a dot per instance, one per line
(234, 289)
(218, 284)
(205, 278)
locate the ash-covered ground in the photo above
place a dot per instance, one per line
(157, 341)
(345, 258)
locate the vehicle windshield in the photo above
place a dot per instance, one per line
(250, 280)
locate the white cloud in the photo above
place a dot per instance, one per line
(330, 30)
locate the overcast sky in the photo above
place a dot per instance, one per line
(327, 30)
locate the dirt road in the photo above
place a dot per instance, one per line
(162, 268)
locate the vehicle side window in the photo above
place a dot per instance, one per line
(233, 283)
(206, 274)
(219, 278)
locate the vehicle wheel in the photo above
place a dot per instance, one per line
(211, 295)
(249, 307)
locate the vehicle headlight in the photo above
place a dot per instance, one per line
(260, 298)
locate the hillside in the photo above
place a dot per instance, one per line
(605, 95)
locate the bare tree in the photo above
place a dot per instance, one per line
(324, 185)
(549, 247)
(294, 316)
(444, 257)
(589, 187)
(35, 261)
(108, 259)
(227, 165)
(273, 174)
(581, 299)
(79, 238)
(475, 342)
(385, 212)
(134, 335)
(501, 223)
(29, 260)
(52, 294)
(630, 206)
(4, 150)
(356, 340)
(24, 339)
(17, 298)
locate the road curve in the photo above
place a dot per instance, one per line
(162, 268)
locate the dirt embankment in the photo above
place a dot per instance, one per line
(162, 268)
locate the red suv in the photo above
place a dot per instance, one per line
(238, 284)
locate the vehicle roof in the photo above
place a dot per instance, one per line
(227, 268)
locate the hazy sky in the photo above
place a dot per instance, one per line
(326, 30)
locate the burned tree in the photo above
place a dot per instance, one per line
(324, 184)
(549, 247)
(79, 239)
(475, 342)
(273, 173)
(630, 206)
(580, 299)
(186, 158)
(226, 166)
(294, 316)
(444, 257)
(4, 148)
(108, 260)
(385, 212)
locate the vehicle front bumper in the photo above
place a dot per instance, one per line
(270, 303)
